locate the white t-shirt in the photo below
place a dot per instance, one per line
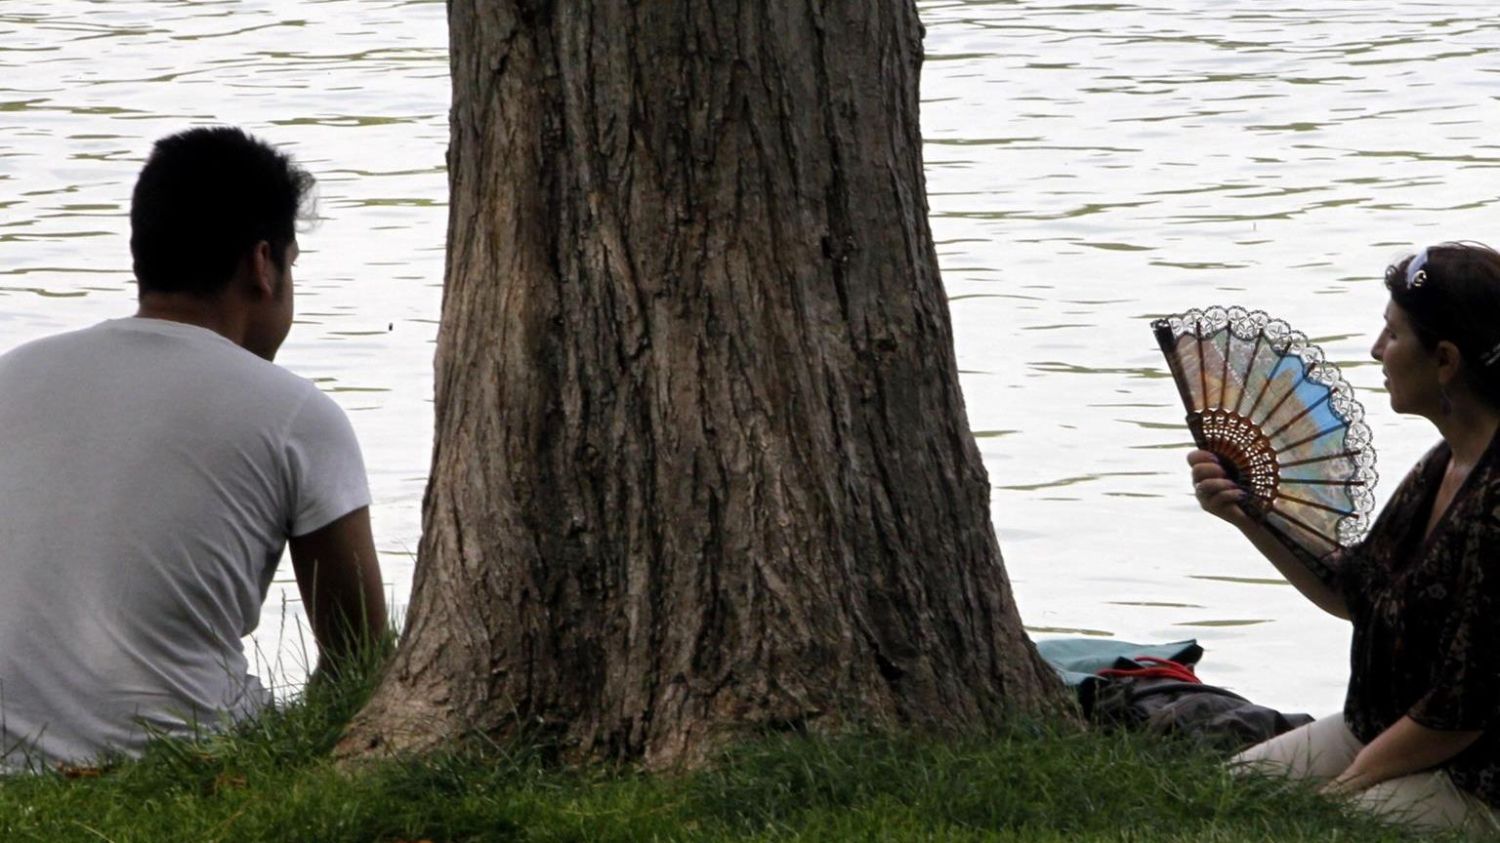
(150, 475)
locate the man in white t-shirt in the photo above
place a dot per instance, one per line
(155, 467)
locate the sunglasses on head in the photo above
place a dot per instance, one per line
(1415, 275)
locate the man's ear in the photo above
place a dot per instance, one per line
(1449, 360)
(263, 273)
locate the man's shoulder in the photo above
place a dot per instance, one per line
(38, 361)
(178, 345)
(49, 343)
(128, 333)
(161, 364)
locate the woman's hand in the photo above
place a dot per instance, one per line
(1216, 493)
(1406, 747)
(1219, 495)
(1347, 783)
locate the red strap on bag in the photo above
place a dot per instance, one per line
(1157, 669)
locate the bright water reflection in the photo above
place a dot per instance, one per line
(1090, 166)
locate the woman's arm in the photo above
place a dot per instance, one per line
(1406, 747)
(1220, 496)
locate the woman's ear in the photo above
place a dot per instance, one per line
(1449, 360)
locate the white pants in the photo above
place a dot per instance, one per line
(1322, 749)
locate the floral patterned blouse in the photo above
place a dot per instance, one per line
(1427, 616)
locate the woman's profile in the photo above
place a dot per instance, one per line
(1417, 738)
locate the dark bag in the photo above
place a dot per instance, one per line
(1169, 700)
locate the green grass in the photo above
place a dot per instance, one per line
(271, 781)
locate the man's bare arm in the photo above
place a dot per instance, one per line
(338, 575)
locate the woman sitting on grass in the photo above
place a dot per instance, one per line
(1417, 737)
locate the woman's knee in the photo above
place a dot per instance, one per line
(1320, 750)
(1429, 800)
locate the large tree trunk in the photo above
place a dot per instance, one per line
(702, 461)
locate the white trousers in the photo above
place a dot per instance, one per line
(1322, 749)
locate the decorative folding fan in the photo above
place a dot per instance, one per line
(1282, 420)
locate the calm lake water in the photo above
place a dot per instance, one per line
(1090, 166)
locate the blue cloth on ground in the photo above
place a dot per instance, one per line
(1078, 659)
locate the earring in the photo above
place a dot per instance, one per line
(1444, 402)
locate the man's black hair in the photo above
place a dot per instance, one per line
(204, 199)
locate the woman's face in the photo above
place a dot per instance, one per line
(1410, 370)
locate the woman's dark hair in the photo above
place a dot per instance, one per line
(205, 198)
(1451, 292)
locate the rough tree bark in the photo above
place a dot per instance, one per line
(701, 460)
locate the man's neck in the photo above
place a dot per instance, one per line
(191, 310)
